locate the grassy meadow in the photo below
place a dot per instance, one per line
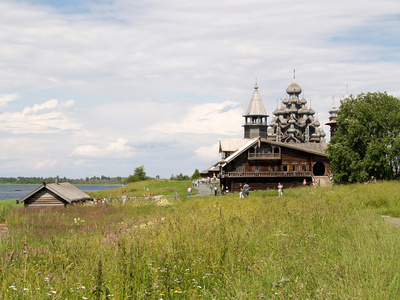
(312, 243)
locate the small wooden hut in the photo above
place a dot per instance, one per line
(54, 194)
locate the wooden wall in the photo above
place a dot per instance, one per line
(291, 160)
(45, 197)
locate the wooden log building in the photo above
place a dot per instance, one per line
(54, 194)
(288, 150)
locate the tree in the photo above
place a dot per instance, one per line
(132, 178)
(139, 172)
(196, 175)
(367, 142)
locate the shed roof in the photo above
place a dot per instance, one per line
(64, 190)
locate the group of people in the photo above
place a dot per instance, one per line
(245, 189)
(104, 200)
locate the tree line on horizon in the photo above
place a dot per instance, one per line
(39, 180)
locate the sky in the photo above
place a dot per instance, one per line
(100, 87)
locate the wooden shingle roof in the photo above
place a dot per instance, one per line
(64, 190)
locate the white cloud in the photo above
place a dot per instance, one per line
(48, 117)
(208, 153)
(4, 99)
(47, 163)
(80, 162)
(114, 149)
(217, 118)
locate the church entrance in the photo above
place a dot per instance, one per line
(319, 169)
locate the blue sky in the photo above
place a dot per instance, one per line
(91, 88)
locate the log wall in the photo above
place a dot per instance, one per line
(45, 198)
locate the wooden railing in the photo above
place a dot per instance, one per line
(266, 174)
(264, 156)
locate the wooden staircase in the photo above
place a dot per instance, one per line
(323, 180)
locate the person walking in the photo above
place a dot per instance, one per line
(215, 190)
(246, 189)
(241, 193)
(189, 191)
(280, 190)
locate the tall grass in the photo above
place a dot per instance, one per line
(324, 243)
(5, 207)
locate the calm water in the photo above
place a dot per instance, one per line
(17, 191)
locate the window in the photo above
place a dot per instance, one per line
(255, 168)
(304, 168)
(284, 168)
(293, 168)
(272, 168)
(240, 168)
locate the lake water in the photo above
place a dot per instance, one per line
(17, 191)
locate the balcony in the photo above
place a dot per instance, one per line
(264, 156)
(265, 174)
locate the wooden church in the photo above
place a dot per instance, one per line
(289, 150)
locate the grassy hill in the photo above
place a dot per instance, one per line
(323, 243)
(141, 188)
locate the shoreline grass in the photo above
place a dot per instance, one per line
(323, 243)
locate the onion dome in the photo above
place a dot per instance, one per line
(322, 133)
(316, 123)
(285, 101)
(333, 109)
(303, 101)
(303, 110)
(311, 111)
(278, 111)
(294, 88)
(333, 112)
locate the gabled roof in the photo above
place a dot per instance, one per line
(231, 145)
(240, 150)
(300, 147)
(256, 107)
(64, 190)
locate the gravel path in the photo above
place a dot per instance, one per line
(203, 189)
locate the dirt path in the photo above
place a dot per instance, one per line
(204, 190)
(3, 230)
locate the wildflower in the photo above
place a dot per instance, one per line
(54, 292)
(84, 298)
